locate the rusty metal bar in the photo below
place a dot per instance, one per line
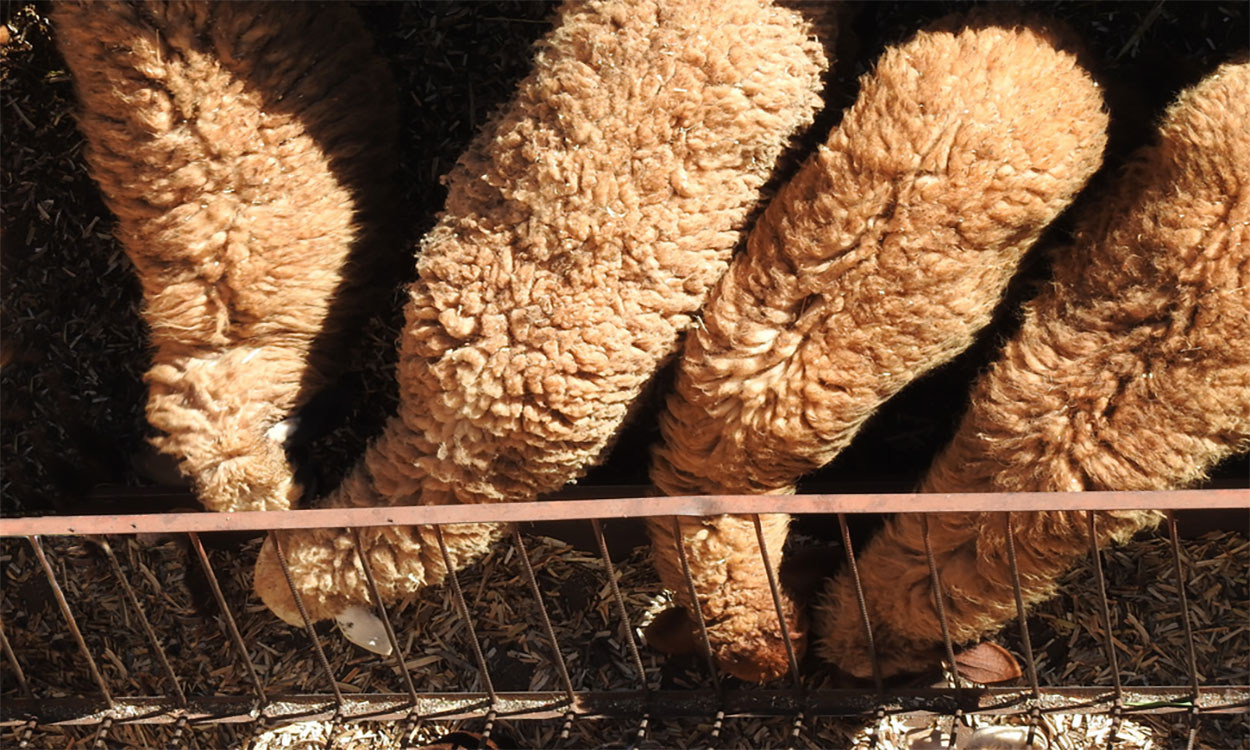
(936, 581)
(386, 620)
(640, 734)
(231, 626)
(695, 604)
(561, 668)
(101, 735)
(1109, 641)
(133, 600)
(69, 619)
(1190, 650)
(775, 589)
(1022, 615)
(631, 507)
(308, 626)
(1026, 640)
(1222, 700)
(17, 667)
(28, 729)
(878, 680)
(462, 605)
(622, 610)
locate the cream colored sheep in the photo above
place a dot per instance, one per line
(1131, 372)
(583, 230)
(878, 262)
(245, 150)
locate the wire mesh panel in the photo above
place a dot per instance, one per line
(146, 626)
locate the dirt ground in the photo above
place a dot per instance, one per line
(73, 346)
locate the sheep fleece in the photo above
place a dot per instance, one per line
(582, 231)
(879, 261)
(243, 148)
(1130, 372)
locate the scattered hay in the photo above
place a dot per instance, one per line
(175, 597)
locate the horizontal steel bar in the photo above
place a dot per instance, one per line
(616, 704)
(627, 507)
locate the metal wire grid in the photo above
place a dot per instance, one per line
(644, 703)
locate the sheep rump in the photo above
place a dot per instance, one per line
(244, 148)
(582, 231)
(1131, 371)
(879, 261)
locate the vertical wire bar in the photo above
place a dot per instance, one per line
(235, 637)
(707, 643)
(102, 734)
(936, 581)
(797, 731)
(181, 722)
(17, 667)
(70, 621)
(775, 589)
(182, 727)
(386, 620)
(463, 606)
(27, 729)
(133, 600)
(696, 605)
(1191, 652)
(551, 631)
(1035, 711)
(621, 609)
(640, 734)
(877, 678)
(1109, 642)
(1022, 617)
(1189, 632)
(308, 626)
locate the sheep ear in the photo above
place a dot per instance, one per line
(365, 629)
(988, 663)
(673, 632)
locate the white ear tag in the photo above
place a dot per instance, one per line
(282, 431)
(365, 629)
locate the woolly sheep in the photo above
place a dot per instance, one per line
(244, 149)
(582, 231)
(879, 261)
(1131, 372)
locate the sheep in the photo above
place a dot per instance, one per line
(1131, 371)
(876, 263)
(582, 231)
(245, 150)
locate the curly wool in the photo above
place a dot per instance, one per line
(1131, 372)
(878, 262)
(582, 231)
(244, 149)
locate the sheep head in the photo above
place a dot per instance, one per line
(755, 657)
(326, 568)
